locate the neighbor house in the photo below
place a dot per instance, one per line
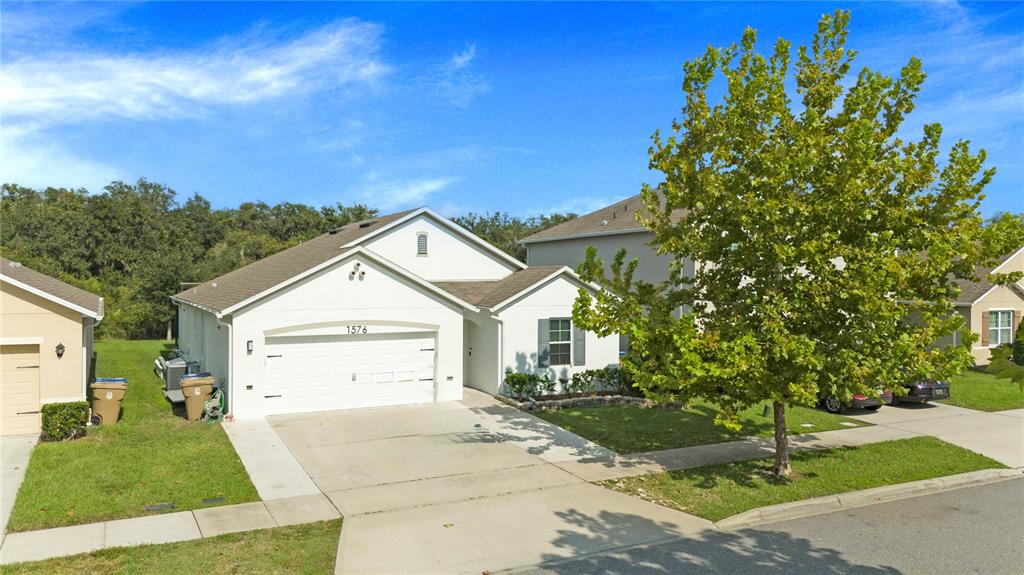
(46, 333)
(992, 311)
(397, 309)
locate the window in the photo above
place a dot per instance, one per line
(1000, 327)
(561, 338)
(421, 244)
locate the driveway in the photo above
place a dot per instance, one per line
(997, 434)
(14, 455)
(464, 487)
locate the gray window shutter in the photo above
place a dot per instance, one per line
(543, 342)
(579, 346)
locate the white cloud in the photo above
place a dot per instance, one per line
(60, 88)
(33, 162)
(463, 59)
(579, 205)
(394, 195)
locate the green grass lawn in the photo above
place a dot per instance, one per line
(150, 457)
(984, 392)
(719, 491)
(630, 429)
(308, 548)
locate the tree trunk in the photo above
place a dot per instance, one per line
(782, 468)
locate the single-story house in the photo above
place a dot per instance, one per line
(992, 312)
(46, 336)
(397, 309)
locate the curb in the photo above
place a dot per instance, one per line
(864, 497)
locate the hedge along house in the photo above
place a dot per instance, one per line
(993, 312)
(404, 308)
(46, 337)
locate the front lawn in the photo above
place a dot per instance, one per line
(719, 491)
(630, 429)
(308, 548)
(150, 457)
(984, 392)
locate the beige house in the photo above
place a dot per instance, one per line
(992, 312)
(46, 333)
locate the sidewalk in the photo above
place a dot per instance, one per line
(271, 466)
(15, 453)
(592, 462)
(168, 528)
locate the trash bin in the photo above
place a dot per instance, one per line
(107, 393)
(196, 389)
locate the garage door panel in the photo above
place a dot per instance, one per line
(317, 373)
(19, 390)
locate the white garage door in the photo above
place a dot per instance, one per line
(19, 389)
(319, 373)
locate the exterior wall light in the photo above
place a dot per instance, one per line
(60, 350)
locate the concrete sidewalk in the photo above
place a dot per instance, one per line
(591, 462)
(15, 453)
(272, 467)
(167, 528)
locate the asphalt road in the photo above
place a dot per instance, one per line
(970, 530)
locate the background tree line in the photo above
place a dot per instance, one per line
(134, 244)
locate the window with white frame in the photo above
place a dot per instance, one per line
(1000, 327)
(421, 244)
(560, 341)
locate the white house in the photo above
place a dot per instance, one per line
(402, 308)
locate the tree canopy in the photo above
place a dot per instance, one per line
(827, 241)
(134, 244)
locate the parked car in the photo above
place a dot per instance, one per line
(925, 390)
(834, 404)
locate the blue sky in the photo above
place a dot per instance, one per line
(524, 108)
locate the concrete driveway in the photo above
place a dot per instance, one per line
(455, 488)
(998, 434)
(14, 455)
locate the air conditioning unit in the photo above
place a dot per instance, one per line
(177, 367)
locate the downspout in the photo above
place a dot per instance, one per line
(501, 352)
(231, 363)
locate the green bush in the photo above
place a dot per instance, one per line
(1018, 345)
(63, 421)
(582, 382)
(546, 385)
(521, 385)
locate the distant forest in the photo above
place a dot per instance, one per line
(134, 244)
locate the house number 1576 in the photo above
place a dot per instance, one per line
(354, 329)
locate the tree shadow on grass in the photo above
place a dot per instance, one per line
(607, 544)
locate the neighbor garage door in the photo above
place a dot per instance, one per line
(318, 373)
(19, 389)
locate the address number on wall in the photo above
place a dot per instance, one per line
(356, 329)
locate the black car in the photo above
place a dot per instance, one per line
(924, 390)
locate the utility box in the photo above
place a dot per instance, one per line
(175, 368)
(107, 393)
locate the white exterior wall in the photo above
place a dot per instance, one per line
(450, 257)
(519, 333)
(328, 301)
(653, 268)
(203, 339)
(483, 358)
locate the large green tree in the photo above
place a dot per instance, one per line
(827, 241)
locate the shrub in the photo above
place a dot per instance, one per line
(521, 385)
(582, 382)
(63, 421)
(1018, 345)
(546, 385)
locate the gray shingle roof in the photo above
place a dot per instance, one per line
(239, 285)
(52, 286)
(972, 290)
(492, 293)
(618, 217)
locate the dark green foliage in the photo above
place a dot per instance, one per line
(134, 244)
(63, 421)
(521, 385)
(504, 231)
(1018, 345)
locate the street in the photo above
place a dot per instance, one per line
(970, 530)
